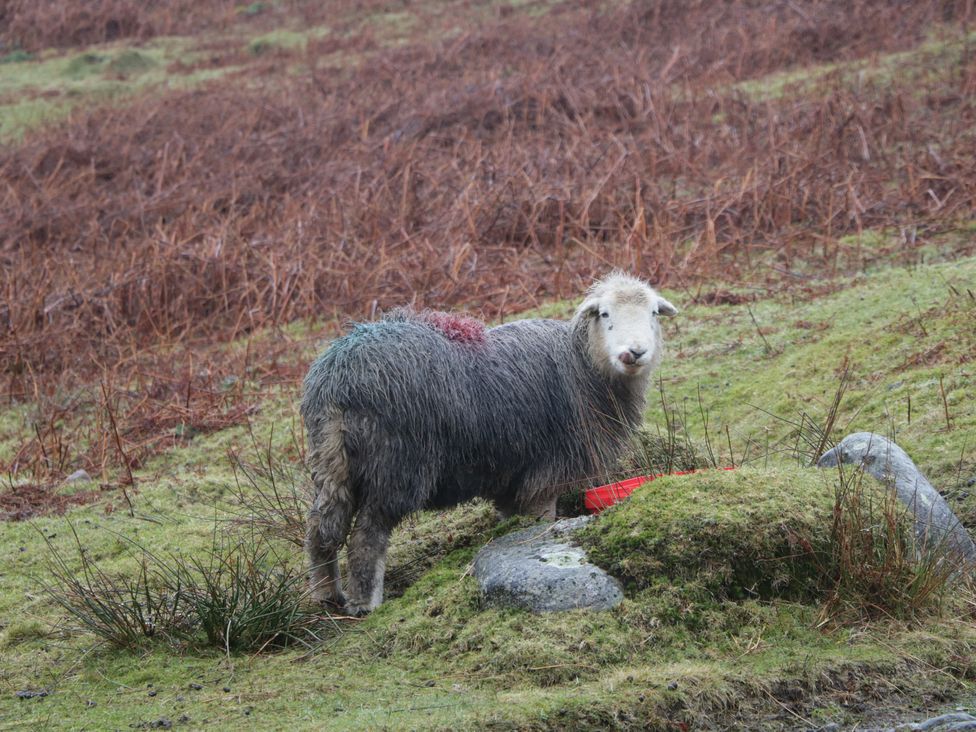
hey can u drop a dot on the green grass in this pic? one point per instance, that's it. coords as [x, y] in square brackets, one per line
[288, 40]
[35, 91]
[933, 59]
[715, 620]
[901, 330]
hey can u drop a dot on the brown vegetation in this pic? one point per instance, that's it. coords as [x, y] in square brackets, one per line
[34, 25]
[488, 170]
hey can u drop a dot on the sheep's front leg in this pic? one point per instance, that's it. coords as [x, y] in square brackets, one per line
[535, 499]
[367, 562]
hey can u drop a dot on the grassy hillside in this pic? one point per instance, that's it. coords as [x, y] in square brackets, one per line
[196, 198]
[679, 649]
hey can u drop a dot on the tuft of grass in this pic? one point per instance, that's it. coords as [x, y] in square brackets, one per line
[243, 597]
[273, 493]
[873, 565]
[747, 533]
[684, 543]
[124, 610]
[239, 597]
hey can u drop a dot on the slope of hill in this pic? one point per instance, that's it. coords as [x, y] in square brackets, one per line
[195, 200]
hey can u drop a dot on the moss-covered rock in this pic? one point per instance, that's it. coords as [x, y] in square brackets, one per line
[733, 534]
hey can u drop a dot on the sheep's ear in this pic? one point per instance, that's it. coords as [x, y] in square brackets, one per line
[665, 308]
[588, 308]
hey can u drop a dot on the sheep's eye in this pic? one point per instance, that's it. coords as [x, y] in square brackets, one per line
[604, 315]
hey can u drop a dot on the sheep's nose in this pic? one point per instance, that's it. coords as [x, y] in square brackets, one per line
[631, 356]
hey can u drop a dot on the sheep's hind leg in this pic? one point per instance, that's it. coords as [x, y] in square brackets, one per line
[543, 509]
[367, 562]
[328, 524]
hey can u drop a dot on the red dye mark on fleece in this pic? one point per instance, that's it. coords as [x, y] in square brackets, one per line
[459, 328]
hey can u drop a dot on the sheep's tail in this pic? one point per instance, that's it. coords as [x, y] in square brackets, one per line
[333, 506]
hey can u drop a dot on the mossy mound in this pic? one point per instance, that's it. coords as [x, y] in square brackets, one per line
[747, 533]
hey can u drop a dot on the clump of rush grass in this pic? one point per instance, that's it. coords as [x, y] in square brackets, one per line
[126, 611]
[241, 597]
[872, 565]
[273, 493]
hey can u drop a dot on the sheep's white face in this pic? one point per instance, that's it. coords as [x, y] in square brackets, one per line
[625, 335]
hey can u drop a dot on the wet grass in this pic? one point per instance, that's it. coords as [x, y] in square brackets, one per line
[42, 89]
[724, 622]
[699, 640]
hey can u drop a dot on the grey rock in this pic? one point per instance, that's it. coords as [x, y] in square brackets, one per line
[77, 476]
[32, 693]
[539, 569]
[952, 722]
[935, 523]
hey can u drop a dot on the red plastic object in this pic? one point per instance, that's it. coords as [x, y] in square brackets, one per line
[604, 496]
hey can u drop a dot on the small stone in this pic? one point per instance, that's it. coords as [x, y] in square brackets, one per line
[78, 476]
[179, 697]
[430, 683]
[227, 689]
[247, 711]
[672, 686]
[195, 686]
[32, 693]
[152, 693]
[91, 703]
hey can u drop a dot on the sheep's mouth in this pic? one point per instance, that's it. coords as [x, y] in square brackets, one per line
[630, 369]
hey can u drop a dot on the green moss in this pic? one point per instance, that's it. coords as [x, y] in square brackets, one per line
[728, 534]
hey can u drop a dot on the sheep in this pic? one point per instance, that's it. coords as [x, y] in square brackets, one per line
[427, 410]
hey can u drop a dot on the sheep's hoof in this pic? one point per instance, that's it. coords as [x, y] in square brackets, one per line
[357, 611]
[333, 605]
